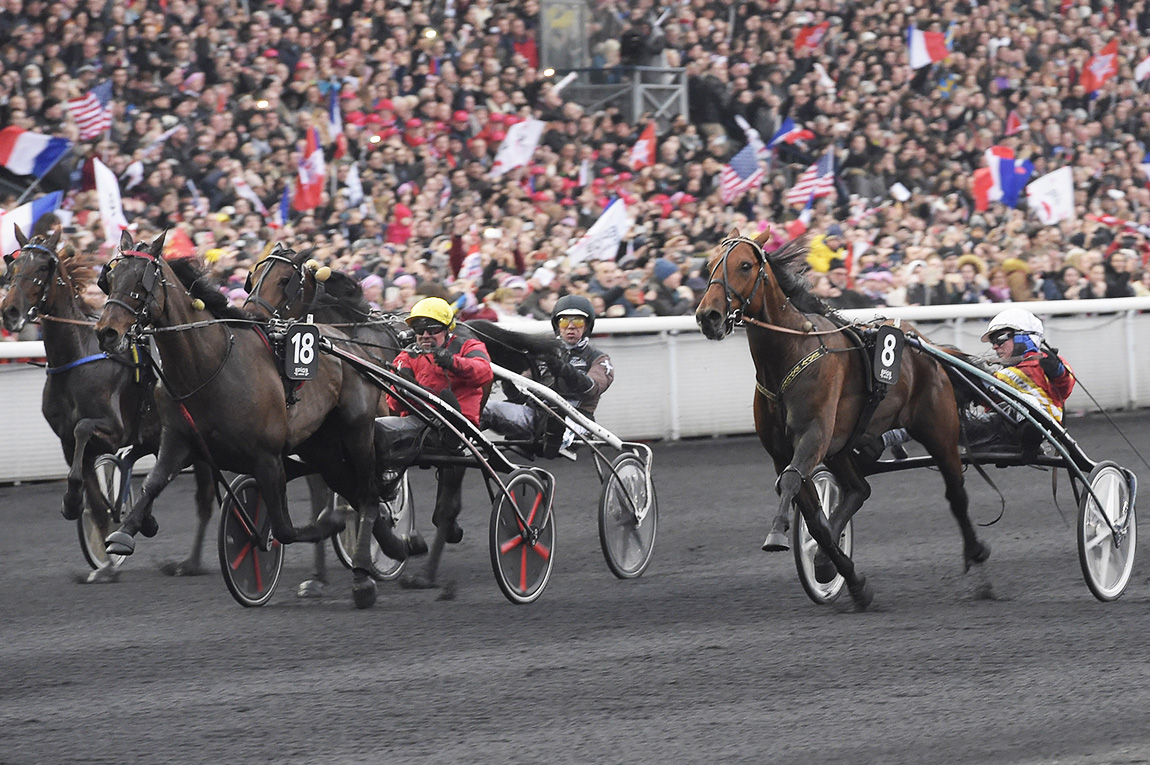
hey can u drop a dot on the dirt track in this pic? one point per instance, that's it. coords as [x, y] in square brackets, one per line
[715, 655]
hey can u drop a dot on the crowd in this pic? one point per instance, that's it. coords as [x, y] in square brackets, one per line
[215, 97]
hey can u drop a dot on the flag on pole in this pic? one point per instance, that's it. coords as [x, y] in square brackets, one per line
[354, 185]
[244, 191]
[92, 112]
[335, 123]
[818, 180]
[25, 216]
[1101, 67]
[518, 146]
[312, 174]
[1001, 180]
[643, 152]
[1051, 197]
[601, 242]
[742, 173]
[926, 48]
[111, 208]
[26, 153]
[586, 175]
[284, 211]
[1142, 71]
[789, 132]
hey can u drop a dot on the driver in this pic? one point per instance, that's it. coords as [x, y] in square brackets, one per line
[580, 373]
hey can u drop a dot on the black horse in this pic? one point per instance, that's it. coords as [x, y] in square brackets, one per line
[95, 402]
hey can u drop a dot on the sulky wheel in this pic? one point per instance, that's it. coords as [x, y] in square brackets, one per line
[401, 513]
[522, 536]
[628, 517]
[93, 530]
[249, 557]
[806, 548]
[1107, 557]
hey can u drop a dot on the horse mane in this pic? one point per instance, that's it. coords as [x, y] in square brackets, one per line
[510, 349]
[342, 292]
[200, 285]
[789, 266]
[81, 268]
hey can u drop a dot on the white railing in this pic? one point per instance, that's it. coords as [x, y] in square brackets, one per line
[673, 383]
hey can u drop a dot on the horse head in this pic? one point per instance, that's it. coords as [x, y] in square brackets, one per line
[283, 283]
[30, 275]
[137, 289]
[738, 284]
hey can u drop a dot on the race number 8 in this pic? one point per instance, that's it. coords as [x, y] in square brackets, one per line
[888, 354]
[888, 346]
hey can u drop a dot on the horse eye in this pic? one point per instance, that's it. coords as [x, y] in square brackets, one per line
[744, 266]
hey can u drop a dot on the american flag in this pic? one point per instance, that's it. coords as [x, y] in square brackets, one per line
[92, 112]
[818, 180]
[744, 172]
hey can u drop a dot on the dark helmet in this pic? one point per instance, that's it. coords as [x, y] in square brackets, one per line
[573, 305]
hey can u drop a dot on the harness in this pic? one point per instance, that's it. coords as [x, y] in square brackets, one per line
[292, 289]
[275, 345]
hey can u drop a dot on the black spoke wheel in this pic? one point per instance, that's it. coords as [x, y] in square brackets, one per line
[250, 558]
[628, 517]
[1105, 554]
[400, 512]
[93, 529]
[522, 551]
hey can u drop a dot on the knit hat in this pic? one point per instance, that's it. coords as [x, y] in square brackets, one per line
[664, 268]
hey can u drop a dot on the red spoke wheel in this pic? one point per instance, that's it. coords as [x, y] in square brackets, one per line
[93, 529]
[250, 571]
[522, 551]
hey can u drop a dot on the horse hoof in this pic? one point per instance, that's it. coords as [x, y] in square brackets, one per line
[417, 545]
[363, 593]
[103, 575]
[776, 542]
[825, 571]
[861, 594]
[453, 535]
[181, 568]
[119, 543]
[310, 588]
[416, 582]
[71, 512]
[149, 527]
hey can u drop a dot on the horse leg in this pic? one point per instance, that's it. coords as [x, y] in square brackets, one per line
[777, 539]
[205, 500]
[101, 515]
[855, 491]
[448, 505]
[794, 482]
[772, 435]
[174, 455]
[323, 500]
[942, 444]
[81, 463]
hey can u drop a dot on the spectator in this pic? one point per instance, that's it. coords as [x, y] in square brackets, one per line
[664, 297]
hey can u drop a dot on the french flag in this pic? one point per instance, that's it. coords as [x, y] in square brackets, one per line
[312, 174]
[23, 152]
[335, 122]
[926, 48]
[25, 216]
[789, 132]
[1002, 179]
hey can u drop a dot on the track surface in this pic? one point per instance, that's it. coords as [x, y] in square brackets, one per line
[715, 655]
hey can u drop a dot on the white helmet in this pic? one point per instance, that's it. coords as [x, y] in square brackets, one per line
[1018, 319]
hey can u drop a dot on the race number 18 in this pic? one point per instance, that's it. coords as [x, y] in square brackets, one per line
[887, 354]
[301, 352]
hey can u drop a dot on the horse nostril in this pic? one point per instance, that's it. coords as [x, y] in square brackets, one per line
[107, 338]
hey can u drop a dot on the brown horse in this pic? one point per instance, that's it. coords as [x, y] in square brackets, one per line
[222, 394]
[95, 403]
[811, 390]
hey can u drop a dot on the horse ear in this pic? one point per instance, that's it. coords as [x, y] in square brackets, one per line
[764, 236]
[20, 238]
[734, 234]
[126, 242]
[158, 245]
[54, 239]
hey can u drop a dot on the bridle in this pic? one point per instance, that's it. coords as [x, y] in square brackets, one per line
[40, 282]
[292, 290]
[145, 299]
[734, 316]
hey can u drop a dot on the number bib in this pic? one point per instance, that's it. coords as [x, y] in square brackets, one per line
[888, 354]
[301, 352]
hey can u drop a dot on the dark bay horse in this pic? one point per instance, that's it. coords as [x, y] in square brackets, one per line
[286, 284]
[222, 394]
[810, 391]
[95, 403]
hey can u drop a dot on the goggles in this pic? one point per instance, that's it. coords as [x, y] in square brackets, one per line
[572, 321]
[427, 326]
[998, 338]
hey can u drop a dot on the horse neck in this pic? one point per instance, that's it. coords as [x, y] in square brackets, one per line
[774, 307]
[65, 341]
[190, 353]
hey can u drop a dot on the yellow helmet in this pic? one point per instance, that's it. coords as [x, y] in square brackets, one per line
[433, 308]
